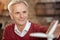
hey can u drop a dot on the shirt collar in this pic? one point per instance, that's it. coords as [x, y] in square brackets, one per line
[25, 30]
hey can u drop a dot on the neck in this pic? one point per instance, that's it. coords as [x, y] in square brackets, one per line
[21, 27]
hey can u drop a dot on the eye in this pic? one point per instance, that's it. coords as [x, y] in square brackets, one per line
[24, 11]
[17, 12]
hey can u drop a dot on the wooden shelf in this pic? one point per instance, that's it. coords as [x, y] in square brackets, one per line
[51, 9]
[49, 15]
[4, 16]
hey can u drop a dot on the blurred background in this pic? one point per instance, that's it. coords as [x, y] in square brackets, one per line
[41, 12]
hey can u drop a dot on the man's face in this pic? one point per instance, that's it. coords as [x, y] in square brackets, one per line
[19, 13]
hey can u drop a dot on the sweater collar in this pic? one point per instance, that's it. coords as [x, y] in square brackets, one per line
[25, 30]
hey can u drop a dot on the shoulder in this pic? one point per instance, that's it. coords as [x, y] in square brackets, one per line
[8, 27]
[39, 28]
[34, 25]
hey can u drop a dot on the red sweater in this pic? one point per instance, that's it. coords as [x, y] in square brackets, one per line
[9, 33]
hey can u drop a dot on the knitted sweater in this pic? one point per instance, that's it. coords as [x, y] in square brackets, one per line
[9, 33]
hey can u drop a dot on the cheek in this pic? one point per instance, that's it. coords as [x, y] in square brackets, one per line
[16, 16]
[26, 16]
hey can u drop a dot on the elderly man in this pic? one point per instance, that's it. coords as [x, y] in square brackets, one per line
[21, 28]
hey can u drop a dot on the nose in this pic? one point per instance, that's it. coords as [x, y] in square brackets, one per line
[21, 15]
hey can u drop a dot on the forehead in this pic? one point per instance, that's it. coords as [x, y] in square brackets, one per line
[19, 7]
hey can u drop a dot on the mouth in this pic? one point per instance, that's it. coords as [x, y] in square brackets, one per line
[21, 20]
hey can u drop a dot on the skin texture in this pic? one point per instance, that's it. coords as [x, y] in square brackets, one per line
[19, 14]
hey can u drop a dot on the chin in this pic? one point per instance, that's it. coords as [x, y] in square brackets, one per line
[22, 23]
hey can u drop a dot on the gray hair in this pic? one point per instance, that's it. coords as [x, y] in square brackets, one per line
[14, 2]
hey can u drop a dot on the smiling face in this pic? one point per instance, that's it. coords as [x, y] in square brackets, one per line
[19, 13]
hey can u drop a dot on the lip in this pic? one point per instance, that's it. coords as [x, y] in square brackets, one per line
[21, 20]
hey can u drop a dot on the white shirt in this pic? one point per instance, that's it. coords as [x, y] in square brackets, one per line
[25, 30]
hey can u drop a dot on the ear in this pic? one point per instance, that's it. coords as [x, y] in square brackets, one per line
[11, 15]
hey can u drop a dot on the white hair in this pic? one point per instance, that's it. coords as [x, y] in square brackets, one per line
[14, 2]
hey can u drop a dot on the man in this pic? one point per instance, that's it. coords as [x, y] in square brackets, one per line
[21, 28]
